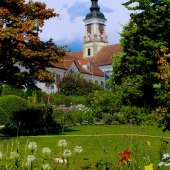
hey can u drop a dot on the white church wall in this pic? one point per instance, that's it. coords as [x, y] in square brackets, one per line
[93, 78]
[52, 88]
[73, 69]
[105, 67]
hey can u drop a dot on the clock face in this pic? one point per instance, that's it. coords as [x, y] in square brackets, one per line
[101, 27]
[88, 27]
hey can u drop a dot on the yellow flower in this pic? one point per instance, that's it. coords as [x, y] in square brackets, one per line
[149, 143]
[149, 167]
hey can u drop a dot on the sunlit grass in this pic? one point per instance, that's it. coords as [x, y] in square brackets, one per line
[102, 143]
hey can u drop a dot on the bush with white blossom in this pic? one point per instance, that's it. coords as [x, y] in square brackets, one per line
[84, 115]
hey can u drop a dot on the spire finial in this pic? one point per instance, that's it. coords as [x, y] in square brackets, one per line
[95, 6]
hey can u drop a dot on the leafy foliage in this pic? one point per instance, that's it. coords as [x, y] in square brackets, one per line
[39, 93]
[75, 115]
[134, 115]
[104, 101]
[61, 99]
[146, 32]
[162, 88]
[24, 57]
[34, 120]
[76, 85]
[47, 99]
[3, 117]
[10, 90]
[11, 103]
[1, 88]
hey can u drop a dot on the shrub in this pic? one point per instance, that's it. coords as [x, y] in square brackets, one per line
[11, 103]
[34, 120]
[79, 114]
[47, 99]
[60, 99]
[83, 114]
[75, 100]
[64, 117]
[107, 118]
[76, 85]
[104, 102]
[10, 90]
[3, 117]
[132, 114]
[1, 87]
[153, 118]
[30, 92]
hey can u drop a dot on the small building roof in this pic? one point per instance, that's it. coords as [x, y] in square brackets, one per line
[83, 61]
[104, 56]
[64, 64]
[78, 55]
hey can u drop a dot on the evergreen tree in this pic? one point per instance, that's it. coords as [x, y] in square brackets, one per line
[20, 45]
[146, 32]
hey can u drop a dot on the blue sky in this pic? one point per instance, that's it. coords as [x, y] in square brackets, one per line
[68, 28]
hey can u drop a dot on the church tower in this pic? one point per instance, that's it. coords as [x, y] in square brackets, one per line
[95, 31]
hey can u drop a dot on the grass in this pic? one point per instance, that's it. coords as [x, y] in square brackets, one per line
[102, 143]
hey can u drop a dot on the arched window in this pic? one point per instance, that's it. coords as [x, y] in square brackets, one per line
[89, 52]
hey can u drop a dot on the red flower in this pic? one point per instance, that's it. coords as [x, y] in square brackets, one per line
[125, 156]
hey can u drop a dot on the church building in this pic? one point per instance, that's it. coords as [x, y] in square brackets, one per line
[94, 59]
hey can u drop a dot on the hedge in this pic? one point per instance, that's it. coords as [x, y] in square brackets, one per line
[3, 117]
[10, 90]
[11, 103]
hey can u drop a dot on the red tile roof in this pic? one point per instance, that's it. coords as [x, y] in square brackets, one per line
[83, 61]
[64, 64]
[104, 56]
[78, 54]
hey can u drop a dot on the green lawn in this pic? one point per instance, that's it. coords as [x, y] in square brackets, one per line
[101, 143]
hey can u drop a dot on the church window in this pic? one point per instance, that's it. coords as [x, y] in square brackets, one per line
[57, 77]
[101, 27]
[89, 51]
[72, 71]
[88, 27]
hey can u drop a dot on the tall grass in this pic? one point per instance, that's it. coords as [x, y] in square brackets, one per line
[101, 146]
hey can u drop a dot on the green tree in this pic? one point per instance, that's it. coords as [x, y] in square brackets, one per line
[147, 30]
[20, 45]
[163, 89]
[74, 84]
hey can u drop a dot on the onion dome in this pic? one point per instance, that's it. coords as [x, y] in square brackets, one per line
[95, 11]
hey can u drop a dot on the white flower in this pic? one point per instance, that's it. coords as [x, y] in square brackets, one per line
[165, 156]
[78, 149]
[62, 143]
[167, 164]
[32, 145]
[13, 155]
[30, 158]
[161, 164]
[67, 153]
[46, 150]
[60, 160]
[0, 155]
[46, 166]
[28, 164]
[165, 160]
